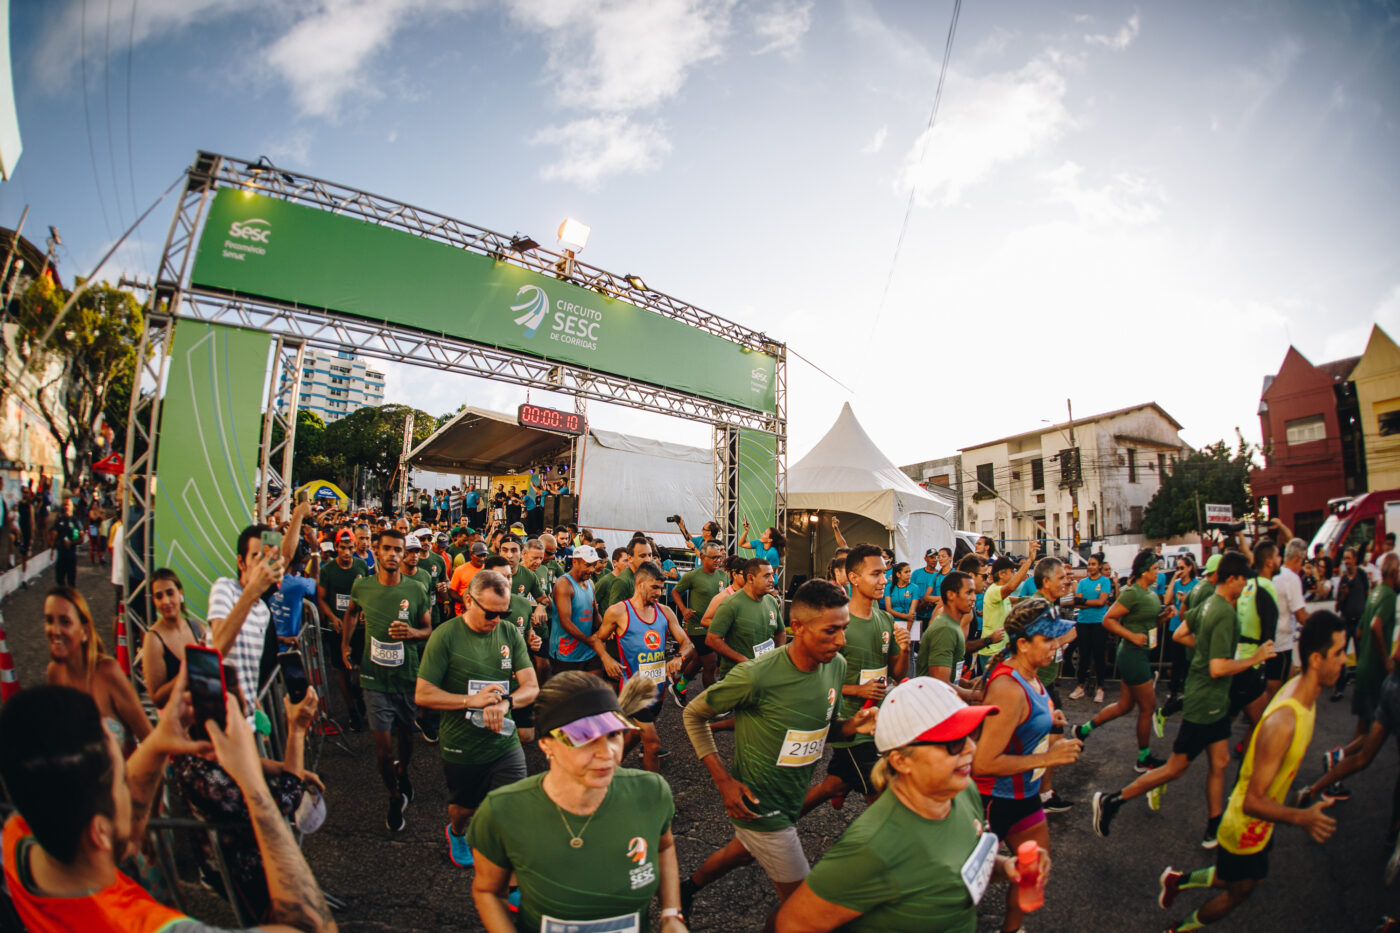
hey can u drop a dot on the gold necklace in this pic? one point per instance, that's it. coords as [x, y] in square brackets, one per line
[575, 841]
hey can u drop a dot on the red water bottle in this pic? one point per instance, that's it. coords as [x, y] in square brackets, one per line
[1030, 896]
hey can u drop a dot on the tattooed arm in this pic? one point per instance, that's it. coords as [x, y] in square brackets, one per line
[297, 902]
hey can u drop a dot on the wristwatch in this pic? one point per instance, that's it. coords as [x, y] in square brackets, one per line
[509, 701]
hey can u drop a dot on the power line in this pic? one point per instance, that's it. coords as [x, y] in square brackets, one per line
[913, 183]
[87, 120]
[130, 159]
[107, 107]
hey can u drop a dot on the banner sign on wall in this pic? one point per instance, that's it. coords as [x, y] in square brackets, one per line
[269, 248]
[758, 480]
[207, 452]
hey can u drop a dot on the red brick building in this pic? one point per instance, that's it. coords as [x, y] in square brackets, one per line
[1309, 420]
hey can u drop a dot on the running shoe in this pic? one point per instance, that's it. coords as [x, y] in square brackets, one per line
[1388, 925]
[1105, 807]
[1170, 882]
[1055, 803]
[1154, 799]
[406, 788]
[1336, 791]
[1078, 693]
[1080, 732]
[677, 696]
[1392, 866]
[395, 821]
[1159, 723]
[688, 892]
[838, 801]
[1172, 706]
[1303, 798]
[430, 731]
[1098, 695]
[1208, 841]
[1144, 765]
[663, 753]
[457, 849]
[1238, 749]
[1332, 757]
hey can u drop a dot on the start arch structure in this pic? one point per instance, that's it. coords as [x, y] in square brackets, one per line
[261, 264]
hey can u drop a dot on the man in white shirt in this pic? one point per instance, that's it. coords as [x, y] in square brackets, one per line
[238, 617]
[1292, 613]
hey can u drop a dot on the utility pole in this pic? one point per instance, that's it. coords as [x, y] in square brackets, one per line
[1075, 478]
[11, 257]
[53, 243]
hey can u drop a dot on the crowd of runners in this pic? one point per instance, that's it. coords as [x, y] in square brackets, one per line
[934, 688]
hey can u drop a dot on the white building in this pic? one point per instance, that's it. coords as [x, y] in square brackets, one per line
[333, 384]
[1014, 482]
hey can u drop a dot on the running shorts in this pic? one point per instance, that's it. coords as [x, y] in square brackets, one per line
[1134, 664]
[1278, 667]
[468, 784]
[1192, 738]
[779, 853]
[1364, 703]
[1231, 867]
[653, 712]
[1245, 688]
[387, 711]
[592, 665]
[1009, 815]
[852, 764]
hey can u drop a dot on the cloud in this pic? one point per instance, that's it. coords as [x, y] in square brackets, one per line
[1127, 200]
[325, 56]
[1351, 341]
[596, 147]
[291, 150]
[1121, 39]
[877, 142]
[782, 26]
[616, 56]
[985, 122]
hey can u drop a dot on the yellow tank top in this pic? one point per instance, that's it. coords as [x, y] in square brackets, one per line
[1240, 833]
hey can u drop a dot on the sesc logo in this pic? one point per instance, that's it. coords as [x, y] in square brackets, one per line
[759, 374]
[535, 304]
[256, 230]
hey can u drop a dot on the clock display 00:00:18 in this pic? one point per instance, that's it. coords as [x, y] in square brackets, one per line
[550, 419]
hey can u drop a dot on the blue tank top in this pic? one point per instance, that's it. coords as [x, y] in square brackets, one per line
[562, 645]
[1030, 738]
[642, 647]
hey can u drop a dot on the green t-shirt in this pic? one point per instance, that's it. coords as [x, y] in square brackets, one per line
[454, 553]
[600, 589]
[747, 625]
[460, 660]
[1143, 609]
[695, 590]
[432, 562]
[388, 666]
[902, 871]
[519, 615]
[1370, 663]
[338, 580]
[995, 609]
[524, 582]
[1207, 698]
[943, 645]
[621, 586]
[424, 578]
[869, 649]
[781, 717]
[613, 875]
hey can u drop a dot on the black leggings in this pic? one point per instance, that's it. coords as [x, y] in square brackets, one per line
[1093, 648]
[1176, 654]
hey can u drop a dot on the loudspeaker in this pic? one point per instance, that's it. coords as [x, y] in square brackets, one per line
[565, 510]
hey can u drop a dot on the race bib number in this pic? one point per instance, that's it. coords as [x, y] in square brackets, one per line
[873, 673]
[1040, 749]
[977, 870]
[629, 923]
[385, 653]
[762, 648]
[476, 686]
[801, 748]
[1152, 640]
[957, 673]
[342, 602]
[653, 670]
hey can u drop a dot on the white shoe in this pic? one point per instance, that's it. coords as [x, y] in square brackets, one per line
[1078, 693]
[1098, 695]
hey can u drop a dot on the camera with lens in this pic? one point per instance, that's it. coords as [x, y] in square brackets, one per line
[673, 519]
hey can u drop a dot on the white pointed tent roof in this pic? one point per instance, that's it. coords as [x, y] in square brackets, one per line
[846, 472]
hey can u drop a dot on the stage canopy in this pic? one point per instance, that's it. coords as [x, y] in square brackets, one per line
[485, 443]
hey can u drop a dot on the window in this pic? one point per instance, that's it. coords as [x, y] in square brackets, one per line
[986, 483]
[937, 481]
[1389, 421]
[1038, 473]
[1132, 466]
[1306, 430]
[1135, 520]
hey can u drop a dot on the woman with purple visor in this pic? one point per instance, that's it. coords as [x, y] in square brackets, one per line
[587, 840]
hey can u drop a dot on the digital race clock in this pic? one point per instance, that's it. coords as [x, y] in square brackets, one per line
[550, 419]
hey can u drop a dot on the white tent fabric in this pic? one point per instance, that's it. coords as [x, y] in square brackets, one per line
[846, 472]
[631, 484]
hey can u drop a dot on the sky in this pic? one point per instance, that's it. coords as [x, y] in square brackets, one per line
[1115, 203]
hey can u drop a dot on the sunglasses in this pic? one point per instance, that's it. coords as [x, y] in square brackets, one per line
[492, 614]
[956, 746]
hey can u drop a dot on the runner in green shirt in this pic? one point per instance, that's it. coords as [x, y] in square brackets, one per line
[748, 624]
[942, 648]
[1205, 722]
[396, 611]
[528, 620]
[413, 569]
[588, 842]
[692, 597]
[785, 705]
[523, 582]
[919, 857]
[337, 577]
[477, 665]
[877, 656]
[624, 583]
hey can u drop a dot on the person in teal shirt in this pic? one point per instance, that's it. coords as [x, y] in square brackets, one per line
[900, 598]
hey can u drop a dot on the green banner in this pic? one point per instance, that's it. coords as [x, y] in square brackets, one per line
[758, 480]
[269, 248]
[207, 453]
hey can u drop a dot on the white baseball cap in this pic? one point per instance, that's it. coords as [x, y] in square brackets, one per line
[928, 710]
[424, 533]
[586, 554]
[411, 543]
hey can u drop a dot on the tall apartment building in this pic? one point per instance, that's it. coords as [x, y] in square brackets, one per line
[333, 384]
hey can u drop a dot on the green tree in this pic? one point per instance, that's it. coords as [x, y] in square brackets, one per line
[94, 346]
[1213, 474]
[372, 439]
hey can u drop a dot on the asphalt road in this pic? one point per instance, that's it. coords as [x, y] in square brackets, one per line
[404, 881]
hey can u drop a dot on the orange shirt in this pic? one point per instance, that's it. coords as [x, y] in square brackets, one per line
[462, 577]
